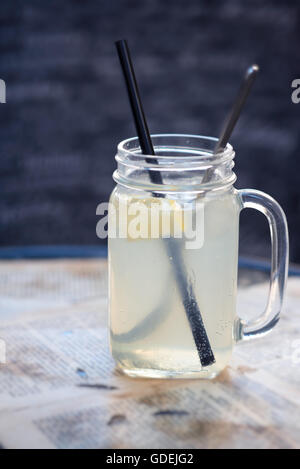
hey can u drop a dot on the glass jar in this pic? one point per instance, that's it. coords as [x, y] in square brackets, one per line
[173, 258]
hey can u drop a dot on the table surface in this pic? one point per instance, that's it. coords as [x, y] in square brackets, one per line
[59, 382]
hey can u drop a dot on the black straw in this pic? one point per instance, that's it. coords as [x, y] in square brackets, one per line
[137, 108]
[185, 288]
[237, 108]
[233, 116]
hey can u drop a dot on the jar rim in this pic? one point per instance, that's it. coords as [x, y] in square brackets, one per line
[128, 150]
[186, 163]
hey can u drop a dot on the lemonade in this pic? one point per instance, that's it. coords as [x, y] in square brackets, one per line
[150, 332]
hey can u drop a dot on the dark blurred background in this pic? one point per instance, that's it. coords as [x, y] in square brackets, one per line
[67, 107]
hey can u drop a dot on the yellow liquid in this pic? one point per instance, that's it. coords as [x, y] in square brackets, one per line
[150, 332]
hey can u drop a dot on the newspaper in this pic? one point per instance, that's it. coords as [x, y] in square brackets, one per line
[60, 389]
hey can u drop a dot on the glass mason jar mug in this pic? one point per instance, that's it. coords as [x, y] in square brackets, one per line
[173, 257]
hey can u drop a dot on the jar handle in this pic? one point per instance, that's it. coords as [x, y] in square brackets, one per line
[279, 264]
